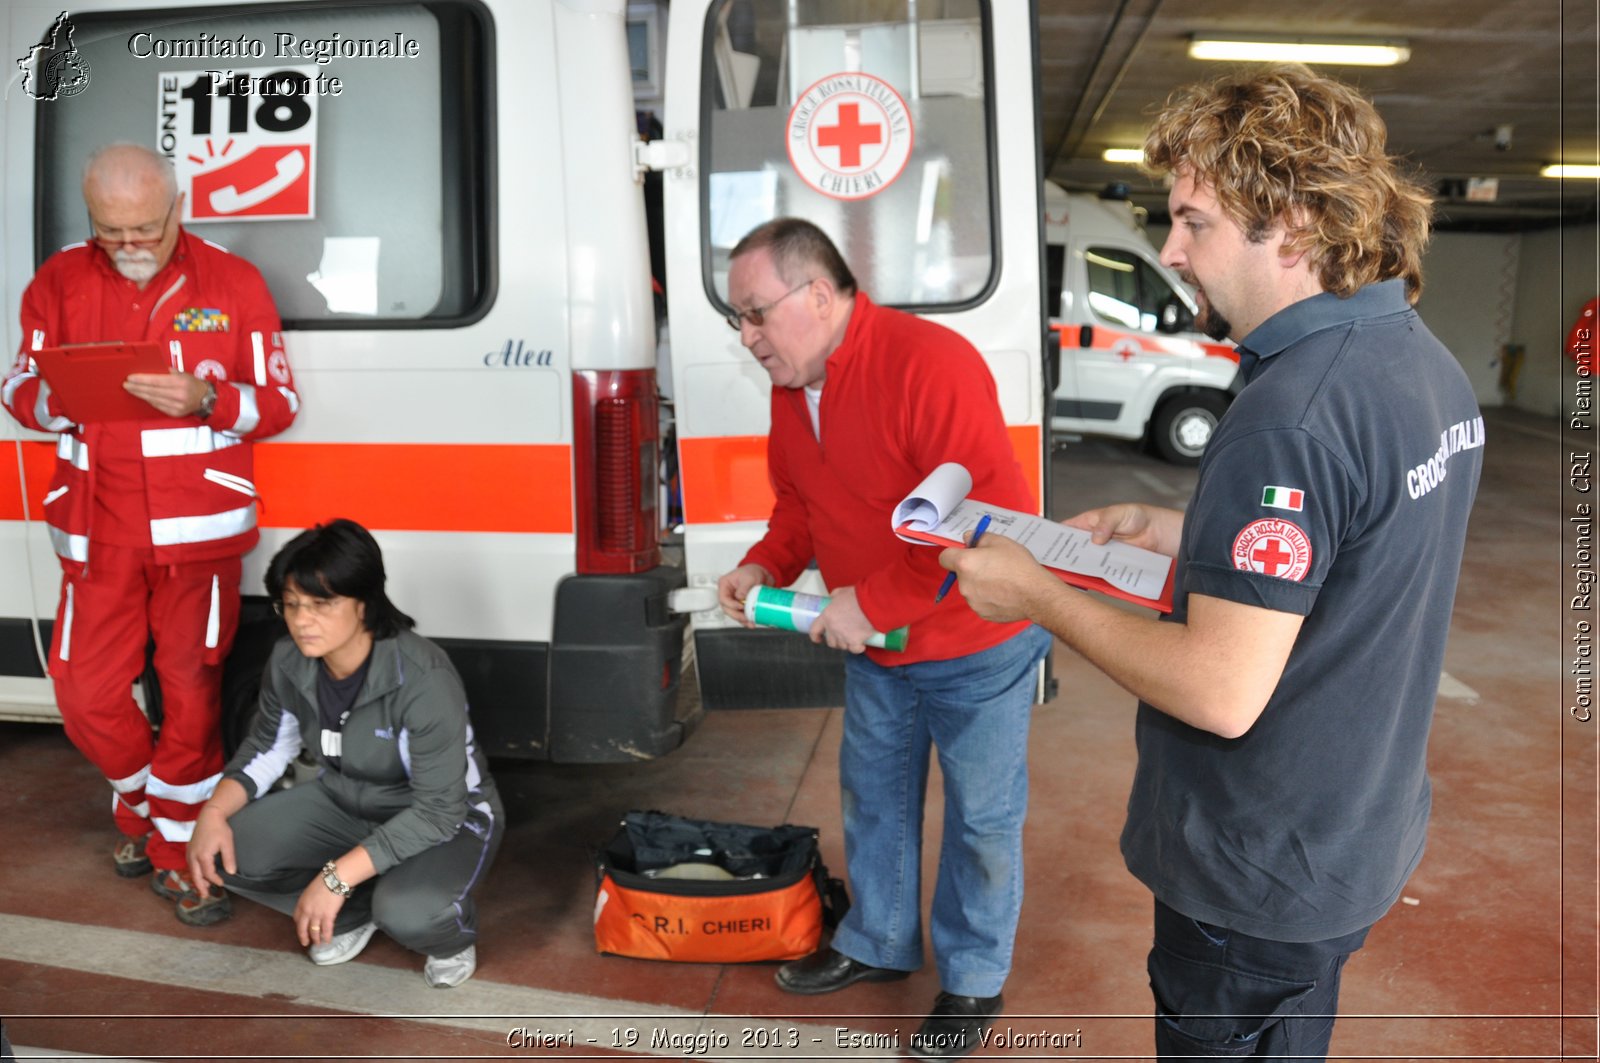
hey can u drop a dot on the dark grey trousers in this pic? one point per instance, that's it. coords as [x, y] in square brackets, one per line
[1222, 993]
[425, 903]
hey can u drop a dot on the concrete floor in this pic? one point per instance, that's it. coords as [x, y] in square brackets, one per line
[1491, 954]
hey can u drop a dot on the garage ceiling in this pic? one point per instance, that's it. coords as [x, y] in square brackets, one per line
[1475, 65]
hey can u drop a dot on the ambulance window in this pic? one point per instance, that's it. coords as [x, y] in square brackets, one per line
[362, 208]
[1124, 289]
[868, 117]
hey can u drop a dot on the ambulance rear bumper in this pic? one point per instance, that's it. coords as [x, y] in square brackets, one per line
[616, 664]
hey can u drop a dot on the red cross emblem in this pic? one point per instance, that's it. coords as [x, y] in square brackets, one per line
[1270, 556]
[1273, 547]
[210, 369]
[849, 135]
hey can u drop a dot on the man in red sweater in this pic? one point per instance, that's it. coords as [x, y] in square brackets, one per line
[866, 402]
[150, 517]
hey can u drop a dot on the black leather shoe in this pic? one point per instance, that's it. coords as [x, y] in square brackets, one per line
[954, 1027]
[826, 970]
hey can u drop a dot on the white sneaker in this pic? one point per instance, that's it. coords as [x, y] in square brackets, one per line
[343, 947]
[445, 972]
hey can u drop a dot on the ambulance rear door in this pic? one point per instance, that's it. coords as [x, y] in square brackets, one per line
[907, 130]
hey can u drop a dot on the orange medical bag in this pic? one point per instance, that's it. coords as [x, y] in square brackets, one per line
[694, 891]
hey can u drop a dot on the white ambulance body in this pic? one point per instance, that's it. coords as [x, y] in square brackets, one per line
[1131, 365]
[464, 281]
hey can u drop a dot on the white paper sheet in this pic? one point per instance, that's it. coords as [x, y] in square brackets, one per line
[939, 507]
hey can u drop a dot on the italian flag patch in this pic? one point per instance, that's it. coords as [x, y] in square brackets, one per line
[1283, 498]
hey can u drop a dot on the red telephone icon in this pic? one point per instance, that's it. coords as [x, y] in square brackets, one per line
[269, 181]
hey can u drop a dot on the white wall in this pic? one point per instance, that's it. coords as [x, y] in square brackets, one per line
[1469, 289]
[1560, 272]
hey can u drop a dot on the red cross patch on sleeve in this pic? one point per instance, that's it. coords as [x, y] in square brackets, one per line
[1273, 547]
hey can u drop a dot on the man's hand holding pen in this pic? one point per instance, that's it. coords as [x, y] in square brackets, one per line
[1000, 579]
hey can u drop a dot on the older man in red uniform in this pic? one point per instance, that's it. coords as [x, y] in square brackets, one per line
[866, 401]
[150, 517]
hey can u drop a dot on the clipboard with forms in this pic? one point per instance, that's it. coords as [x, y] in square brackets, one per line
[939, 512]
[87, 378]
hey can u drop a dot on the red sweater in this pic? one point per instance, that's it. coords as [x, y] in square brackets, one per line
[902, 396]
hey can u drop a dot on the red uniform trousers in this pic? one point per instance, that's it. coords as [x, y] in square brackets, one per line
[108, 614]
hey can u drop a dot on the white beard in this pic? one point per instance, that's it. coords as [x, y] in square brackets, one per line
[138, 266]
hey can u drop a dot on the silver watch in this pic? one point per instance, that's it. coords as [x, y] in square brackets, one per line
[209, 402]
[330, 879]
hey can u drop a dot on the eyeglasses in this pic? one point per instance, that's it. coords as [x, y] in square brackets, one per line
[140, 236]
[756, 315]
[317, 607]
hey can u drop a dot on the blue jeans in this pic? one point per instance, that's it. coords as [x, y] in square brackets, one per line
[975, 710]
[1222, 993]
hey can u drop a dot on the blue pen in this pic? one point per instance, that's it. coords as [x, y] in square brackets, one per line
[950, 580]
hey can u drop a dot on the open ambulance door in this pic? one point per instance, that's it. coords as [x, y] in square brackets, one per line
[906, 129]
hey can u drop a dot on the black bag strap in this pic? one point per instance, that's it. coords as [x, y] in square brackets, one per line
[835, 898]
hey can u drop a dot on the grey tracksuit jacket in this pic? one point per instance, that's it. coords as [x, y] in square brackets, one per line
[408, 763]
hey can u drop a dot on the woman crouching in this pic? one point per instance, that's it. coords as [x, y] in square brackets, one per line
[403, 820]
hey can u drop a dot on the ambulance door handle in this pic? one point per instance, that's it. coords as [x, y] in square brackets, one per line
[692, 599]
[660, 156]
[1086, 336]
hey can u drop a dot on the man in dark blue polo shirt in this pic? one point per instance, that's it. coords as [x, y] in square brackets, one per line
[1281, 797]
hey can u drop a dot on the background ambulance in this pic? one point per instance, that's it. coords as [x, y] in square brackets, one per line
[445, 199]
[1128, 362]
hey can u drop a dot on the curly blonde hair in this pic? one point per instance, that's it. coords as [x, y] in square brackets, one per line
[1282, 145]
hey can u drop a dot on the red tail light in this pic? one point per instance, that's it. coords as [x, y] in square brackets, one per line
[616, 433]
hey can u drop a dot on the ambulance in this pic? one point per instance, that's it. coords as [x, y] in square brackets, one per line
[446, 199]
[1126, 361]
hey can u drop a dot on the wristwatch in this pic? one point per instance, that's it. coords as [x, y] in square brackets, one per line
[330, 879]
[208, 403]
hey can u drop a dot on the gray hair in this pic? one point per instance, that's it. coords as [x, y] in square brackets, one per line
[154, 161]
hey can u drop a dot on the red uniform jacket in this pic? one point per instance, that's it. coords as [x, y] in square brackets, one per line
[902, 396]
[213, 313]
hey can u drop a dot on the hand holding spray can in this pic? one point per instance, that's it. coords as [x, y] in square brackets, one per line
[793, 611]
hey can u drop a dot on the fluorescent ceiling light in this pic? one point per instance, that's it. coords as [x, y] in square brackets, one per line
[1135, 155]
[1570, 170]
[1299, 50]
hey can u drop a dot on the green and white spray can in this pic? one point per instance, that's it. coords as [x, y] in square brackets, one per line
[793, 611]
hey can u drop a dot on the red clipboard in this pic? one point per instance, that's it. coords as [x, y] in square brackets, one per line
[87, 378]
